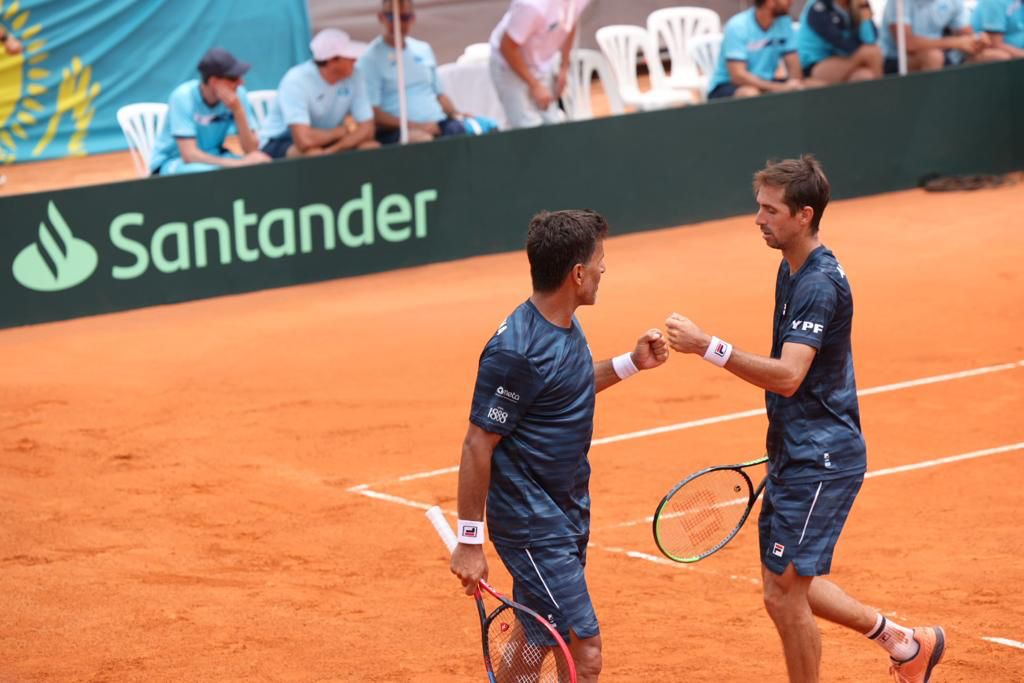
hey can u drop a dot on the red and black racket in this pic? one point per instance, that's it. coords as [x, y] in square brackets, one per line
[519, 645]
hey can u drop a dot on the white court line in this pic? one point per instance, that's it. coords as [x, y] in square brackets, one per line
[875, 473]
[935, 379]
[1004, 641]
[731, 416]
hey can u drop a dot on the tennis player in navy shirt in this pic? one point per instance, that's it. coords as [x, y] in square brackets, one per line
[530, 425]
[816, 452]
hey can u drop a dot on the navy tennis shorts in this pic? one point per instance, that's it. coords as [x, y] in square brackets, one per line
[800, 523]
[549, 580]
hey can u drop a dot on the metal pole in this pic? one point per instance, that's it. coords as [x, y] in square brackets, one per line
[403, 109]
[901, 37]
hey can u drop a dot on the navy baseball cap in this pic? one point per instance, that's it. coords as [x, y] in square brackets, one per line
[219, 62]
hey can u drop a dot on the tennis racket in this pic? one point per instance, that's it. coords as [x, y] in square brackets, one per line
[705, 511]
[520, 646]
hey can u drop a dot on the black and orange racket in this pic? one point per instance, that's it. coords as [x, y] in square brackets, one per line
[519, 644]
[705, 511]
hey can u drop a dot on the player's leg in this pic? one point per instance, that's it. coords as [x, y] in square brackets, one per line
[586, 655]
[785, 599]
[550, 580]
[783, 509]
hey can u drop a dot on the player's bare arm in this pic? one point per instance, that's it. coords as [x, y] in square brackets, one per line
[651, 351]
[779, 375]
[468, 561]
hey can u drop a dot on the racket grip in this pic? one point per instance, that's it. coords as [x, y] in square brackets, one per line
[441, 526]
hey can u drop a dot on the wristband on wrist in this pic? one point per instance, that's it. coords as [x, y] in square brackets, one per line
[718, 352]
[470, 532]
[624, 366]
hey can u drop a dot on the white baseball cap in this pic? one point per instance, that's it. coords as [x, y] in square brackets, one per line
[333, 42]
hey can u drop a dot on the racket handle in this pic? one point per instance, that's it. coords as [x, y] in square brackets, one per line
[443, 529]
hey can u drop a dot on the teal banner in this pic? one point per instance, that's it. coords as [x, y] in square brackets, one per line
[84, 59]
[162, 240]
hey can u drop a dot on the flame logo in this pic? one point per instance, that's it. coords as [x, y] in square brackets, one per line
[59, 260]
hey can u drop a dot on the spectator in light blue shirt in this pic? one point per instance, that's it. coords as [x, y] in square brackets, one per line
[938, 34]
[315, 100]
[837, 41]
[200, 116]
[431, 113]
[756, 41]
[1002, 22]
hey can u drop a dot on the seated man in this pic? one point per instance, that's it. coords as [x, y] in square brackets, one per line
[1002, 22]
[937, 33]
[431, 114]
[754, 43]
[314, 101]
[200, 116]
[837, 41]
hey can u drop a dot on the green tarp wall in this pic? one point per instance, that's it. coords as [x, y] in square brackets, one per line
[126, 245]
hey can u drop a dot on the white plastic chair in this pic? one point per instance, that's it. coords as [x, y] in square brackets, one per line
[262, 101]
[475, 53]
[576, 99]
[675, 27]
[471, 89]
[621, 43]
[704, 51]
[140, 123]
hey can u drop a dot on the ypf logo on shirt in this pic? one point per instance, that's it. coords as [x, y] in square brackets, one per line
[807, 326]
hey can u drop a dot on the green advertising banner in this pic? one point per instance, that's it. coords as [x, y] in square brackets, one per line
[114, 247]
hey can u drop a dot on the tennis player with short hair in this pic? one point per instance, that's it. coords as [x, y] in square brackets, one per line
[531, 422]
[816, 452]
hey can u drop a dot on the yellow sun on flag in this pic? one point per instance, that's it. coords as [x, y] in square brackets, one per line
[21, 79]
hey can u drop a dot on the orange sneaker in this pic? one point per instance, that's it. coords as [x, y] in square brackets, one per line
[931, 641]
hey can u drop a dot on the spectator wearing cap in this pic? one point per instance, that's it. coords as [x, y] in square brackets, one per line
[526, 45]
[431, 113]
[201, 114]
[321, 104]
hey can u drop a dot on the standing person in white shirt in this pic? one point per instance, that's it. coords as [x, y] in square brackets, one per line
[525, 66]
[315, 99]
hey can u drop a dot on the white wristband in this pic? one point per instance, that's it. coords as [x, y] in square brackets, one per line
[718, 352]
[623, 366]
[471, 532]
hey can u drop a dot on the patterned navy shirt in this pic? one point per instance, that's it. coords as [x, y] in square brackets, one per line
[815, 434]
[535, 387]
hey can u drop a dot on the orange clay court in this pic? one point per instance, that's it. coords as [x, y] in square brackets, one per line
[233, 489]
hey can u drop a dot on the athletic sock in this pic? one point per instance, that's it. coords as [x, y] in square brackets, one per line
[897, 640]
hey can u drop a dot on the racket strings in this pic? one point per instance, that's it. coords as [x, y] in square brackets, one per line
[702, 513]
[523, 651]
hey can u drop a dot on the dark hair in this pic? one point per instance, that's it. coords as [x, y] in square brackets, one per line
[803, 183]
[558, 240]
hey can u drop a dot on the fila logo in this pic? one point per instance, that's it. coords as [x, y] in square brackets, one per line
[804, 326]
[470, 531]
[507, 393]
[497, 415]
[778, 549]
[720, 350]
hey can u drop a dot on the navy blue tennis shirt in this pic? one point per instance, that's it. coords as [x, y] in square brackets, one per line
[815, 434]
[535, 387]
